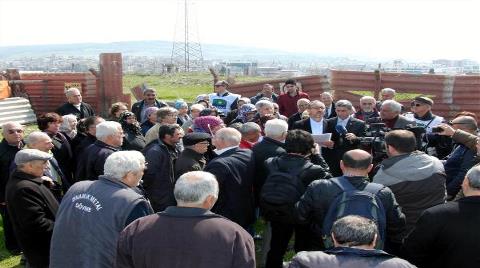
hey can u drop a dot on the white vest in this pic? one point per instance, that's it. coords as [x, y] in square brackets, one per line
[427, 124]
[223, 103]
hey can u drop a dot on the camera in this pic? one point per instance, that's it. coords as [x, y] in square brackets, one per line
[437, 129]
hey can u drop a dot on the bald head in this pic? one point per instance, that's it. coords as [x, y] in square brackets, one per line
[357, 160]
[12, 132]
[466, 123]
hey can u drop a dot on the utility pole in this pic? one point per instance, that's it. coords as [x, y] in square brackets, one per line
[187, 51]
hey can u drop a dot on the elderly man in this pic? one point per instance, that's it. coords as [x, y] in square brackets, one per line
[161, 155]
[288, 100]
[461, 159]
[367, 109]
[354, 239]
[32, 206]
[12, 142]
[302, 105]
[267, 92]
[251, 133]
[95, 212]
[165, 115]
[195, 110]
[74, 105]
[188, 235]
[223, 100]
[447, 235]
[149, 100]
[192, 158]
[390, 115]
[416, 179]
[109, 140]
[345, 133]
[327, 99]
[315, 124]
[234, 169]
[42, 142]
[422, 114]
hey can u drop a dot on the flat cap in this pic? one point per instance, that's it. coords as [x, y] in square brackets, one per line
[27, 155]
[424, 100]
[195, 137]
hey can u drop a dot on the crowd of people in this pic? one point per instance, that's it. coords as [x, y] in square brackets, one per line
[182, 185]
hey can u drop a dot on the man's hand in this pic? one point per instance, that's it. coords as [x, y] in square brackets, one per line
[48, 180]
[478, 146]
[328, 144]
[350, 136]
[447, 130]
[316, 149]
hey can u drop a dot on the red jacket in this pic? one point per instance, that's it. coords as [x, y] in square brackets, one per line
[288, 105]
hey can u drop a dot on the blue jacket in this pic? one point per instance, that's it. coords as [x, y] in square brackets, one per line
[456, 166]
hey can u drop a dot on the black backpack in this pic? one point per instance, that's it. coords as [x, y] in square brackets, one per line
[282, 189]
[352, 201]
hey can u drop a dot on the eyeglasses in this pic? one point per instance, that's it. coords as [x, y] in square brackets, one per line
[416, 104]
[13, 131]
[366, 103]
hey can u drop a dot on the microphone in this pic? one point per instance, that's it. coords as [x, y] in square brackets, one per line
[341, 130]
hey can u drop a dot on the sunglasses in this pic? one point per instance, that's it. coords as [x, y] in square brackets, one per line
[416, 104]
[13, 131]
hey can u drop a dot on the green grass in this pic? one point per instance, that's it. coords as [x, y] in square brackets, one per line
[6, 260]
[185, 86]
[398, 97]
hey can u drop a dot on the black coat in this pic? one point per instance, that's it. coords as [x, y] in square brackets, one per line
[138, 106]
[262, 151]
[314, 205]
[32, 208]
[341, 145]
[7, 154]
[85, 110]
[234, 170]
[189, 160]
[64, 155]
[294, 118]
[84, 143]
[304, 124]
[446, 236]
[92, 160]
[133, 141]
[159, 177]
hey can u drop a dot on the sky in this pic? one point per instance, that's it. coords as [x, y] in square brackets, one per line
[419, 30]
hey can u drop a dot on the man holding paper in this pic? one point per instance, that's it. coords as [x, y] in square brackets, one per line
[345, 132]
[315, 124]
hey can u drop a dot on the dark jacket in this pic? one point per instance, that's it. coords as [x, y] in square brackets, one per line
[32, 209]
[146, 126]
[89, 222]
[257, 97]
[304, 124]
[417, 180]
[92, 160]
[7, 155]
[294, 118]
[138, 106]
[86, 141]
[446, 236]
[341, 145]
[360, 115]
[263, 150]
[347, 258]
[456, 166]
[63, 154]
[234, 170]
[133, 141]
[159, 177]
[85, 110]
[314, 205]
[333, 112]
[189, 160]
[185, 237]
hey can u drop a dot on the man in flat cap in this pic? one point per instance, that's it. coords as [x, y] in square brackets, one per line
[32, 206]
[192, 158]
[422, 113]
[149, 100]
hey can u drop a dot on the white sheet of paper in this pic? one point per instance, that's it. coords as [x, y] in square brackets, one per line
[318, 138]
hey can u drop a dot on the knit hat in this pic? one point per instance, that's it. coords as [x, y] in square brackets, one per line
[150, 110]
[206, 123]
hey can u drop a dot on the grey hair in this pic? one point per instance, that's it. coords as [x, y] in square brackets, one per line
[230, 136]
[194, 187]
[344, 103]
[65, 126]
[367, 98]
[315, 102]
[327, 94]
[245, 99]
[119, 164]
[395, 106]
[249, 127]
[197, 107]
[468, 121]
[388, 90]
[262, 103]
[307, 101]
[473, 177]
[8, 125]
[35, 136]
[163, 112]
[354, 231]
[275, 128]
[107, 128]
[70, 91]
